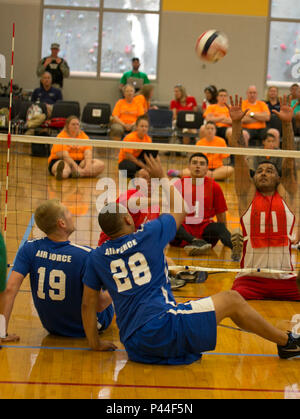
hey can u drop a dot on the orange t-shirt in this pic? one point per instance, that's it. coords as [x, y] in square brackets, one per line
[142, 101]
[128, 112]
[258, 106]
[75, 152]
[214, 160]
[218, 110]
[133, 137]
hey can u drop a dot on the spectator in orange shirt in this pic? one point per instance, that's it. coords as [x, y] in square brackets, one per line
[219, 114]
[125, 114]
[132, 160]
[144, 97]
[73, 160]
[216, 168]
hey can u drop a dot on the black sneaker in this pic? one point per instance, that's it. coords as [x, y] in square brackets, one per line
[59, 170]
[176, 282]
[192, 276]
[197, 247]
[291, 349]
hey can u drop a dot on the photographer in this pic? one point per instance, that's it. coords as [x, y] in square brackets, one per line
[54, 65]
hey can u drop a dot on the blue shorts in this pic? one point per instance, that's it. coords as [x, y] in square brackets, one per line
[104, 318]
[178, 336]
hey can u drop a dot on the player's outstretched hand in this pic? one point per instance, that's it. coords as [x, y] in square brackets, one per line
[235, 108]
[154, 167]
[286, 112]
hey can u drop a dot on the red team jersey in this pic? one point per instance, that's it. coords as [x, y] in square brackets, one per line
[267, 226]
[139, 217]
[205, 199]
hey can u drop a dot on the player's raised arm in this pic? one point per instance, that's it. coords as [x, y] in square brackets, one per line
[243, 183]
[288, 177]
[176, 202]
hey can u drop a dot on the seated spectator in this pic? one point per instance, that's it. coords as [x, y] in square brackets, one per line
[219, 114]
[134, 77]
[272, 99]
[132, 160]
[47, 94]
[72, 160]
[183, 102]
[269, 143]
[125, 114]
[211, 94]
[254, 122]
[216, 168]
[144, 97]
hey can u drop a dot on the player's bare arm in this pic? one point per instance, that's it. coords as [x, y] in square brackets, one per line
[288, 188]
[244, 186]
[90, 301]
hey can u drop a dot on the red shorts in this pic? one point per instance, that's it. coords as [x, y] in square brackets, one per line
[257, 288]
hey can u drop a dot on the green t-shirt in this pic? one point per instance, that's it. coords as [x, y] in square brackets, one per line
[297, 108]
[131, 74]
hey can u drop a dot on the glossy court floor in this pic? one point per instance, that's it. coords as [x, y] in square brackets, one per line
[41, 366]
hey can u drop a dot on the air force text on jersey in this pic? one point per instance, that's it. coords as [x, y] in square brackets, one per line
[122, 249]
[53, 256]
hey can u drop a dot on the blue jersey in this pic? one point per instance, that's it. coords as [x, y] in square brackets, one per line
[56, 271]
[134, 271]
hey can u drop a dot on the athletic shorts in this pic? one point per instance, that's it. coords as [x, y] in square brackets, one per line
[257, 288]
[104, 318]
[196, 230]
[178, 336]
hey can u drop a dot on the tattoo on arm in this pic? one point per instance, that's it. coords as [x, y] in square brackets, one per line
[241, 140]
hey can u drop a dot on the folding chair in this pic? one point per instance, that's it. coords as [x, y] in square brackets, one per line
[187, 120]
[161, 124]
[95, 119]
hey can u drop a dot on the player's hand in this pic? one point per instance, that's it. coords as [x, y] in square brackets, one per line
[154, 167]
[286, 112]
[105, 345]
[235, 108]
[10, 338]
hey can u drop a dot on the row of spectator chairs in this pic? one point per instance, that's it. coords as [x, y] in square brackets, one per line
[95, 119]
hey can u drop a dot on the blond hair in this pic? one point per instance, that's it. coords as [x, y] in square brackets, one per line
[47, 214]
[68, 120]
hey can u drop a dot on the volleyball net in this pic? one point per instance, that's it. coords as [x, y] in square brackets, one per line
[29, 184]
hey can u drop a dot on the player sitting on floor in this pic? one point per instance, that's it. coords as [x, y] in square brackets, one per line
[153, 327]
[138, 203]
[56, 267]
[267, 206]
[199, 233]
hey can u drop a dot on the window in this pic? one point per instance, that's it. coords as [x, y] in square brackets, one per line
[100, 37]
[284, 43]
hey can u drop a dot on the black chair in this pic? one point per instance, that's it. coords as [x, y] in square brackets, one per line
[95, 119]
[4, 104]
[161, 124]
[188, 120]
[275, 122]
[64, 109]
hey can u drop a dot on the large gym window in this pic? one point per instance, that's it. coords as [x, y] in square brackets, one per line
[100, 37]
[284, 43]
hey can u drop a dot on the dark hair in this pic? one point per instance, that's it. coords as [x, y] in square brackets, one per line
[110, 218]
[214, 93]
[268, 134]
[135, 59]
[211, 123]
[269, 162]
[142, 118]
[198, 155]
[222, 90]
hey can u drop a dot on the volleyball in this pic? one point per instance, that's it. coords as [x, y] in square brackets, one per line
[212, 45]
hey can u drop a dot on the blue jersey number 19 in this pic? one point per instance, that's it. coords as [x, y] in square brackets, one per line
[57, 284]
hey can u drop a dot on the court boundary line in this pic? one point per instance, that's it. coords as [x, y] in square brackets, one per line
[114, 385]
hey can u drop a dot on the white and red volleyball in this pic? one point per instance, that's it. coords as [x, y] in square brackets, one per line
[212, 45]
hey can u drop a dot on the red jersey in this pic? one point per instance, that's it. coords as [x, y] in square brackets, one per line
[205, 200]
[139, 217]
[189, 106]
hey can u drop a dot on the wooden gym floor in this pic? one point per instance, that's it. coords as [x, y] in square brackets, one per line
[41, 366]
